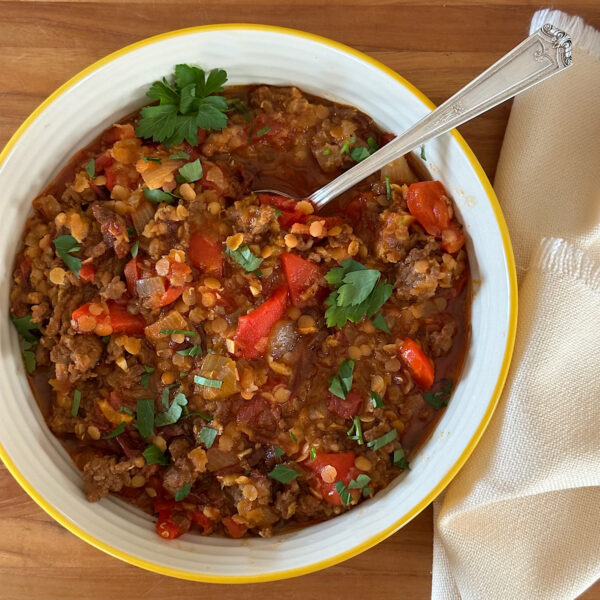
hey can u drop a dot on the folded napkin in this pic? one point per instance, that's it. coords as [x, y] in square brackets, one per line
[521, 521]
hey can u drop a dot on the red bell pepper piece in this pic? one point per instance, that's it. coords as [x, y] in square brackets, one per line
[428, 203]
[111, 178]
[345, 407]
[300, 275]
[87, 272]
[343, 463]
[171, 294]
[206, 254]
[132, 274]
[289, 214]
[116, 316]
[166, 527]
[201, 519]
[103, 161]
[420, 366]
[254, 328]
[235, 530]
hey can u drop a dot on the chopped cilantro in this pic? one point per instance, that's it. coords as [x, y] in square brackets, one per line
[399, 459]
[293, 436]
[326, 152]
[360, 482]
[165, 395]
[24, 327]
[154, 456]
[187, 332]
[135, 248]
[355, 432]
[388, 188]
[90, 168]
[284, 474]
[380, 323]
[359, 154]
[191, 171]
[366, 492]
[195, 350]
[157, 196]
[145, 416]
[118, 430]
[145, 378]
[178, 155]
[182, 492]
[376, 400]
[345, 149]
[183, 374]
[373, 147]
[152, 159]
[76, 402]
[213, 383]
[185, 105]
[440, 398]
[423, 152]
[313, 453]
[278, 452]
[382, 441]
[341, 383]
[245, 257]
[65, 245]
[262, 131]
[207, 435]
[126, 410]
[28, 356]
[343, 492]
[172, 414]
[238, 105]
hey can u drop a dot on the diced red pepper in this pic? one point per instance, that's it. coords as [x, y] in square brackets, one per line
[206, 254]
[132, 274]
[171, 294]
[117, 317]
[345, 407]
[289, 214]
[201, 519]
[235, 530]
[103, 161]
[87, 272]
[254, 328]
[428, 203]
[300, 274]
[343, 463]
[420, 366]
[166, 527]
[111, 178]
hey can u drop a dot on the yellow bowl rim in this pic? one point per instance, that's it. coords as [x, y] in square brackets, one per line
[510, 339]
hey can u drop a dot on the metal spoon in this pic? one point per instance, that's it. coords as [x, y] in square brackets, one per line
[543, 54]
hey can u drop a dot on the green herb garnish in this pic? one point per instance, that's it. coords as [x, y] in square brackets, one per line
[172, 414]
[213, 383]
[366, 492]
[380, 323]
[278, 452]
[126, 410]
[135, 248]
[262, 131]
[313, 453]
[360, 482]
[399, 459]
[24, 327]
[359, 154]
[423, 152]
[165, 395]
[326, 152]
[76, 402]
[192, 171]
[439, 399]
[152, 159]
[187, 332]
[118, 430]
[145, 416]
[145, 378]
[341, 383]
[65, 245]
[284, 474]
[182, 492]
[195, 350]
[355, 432]
[382, 441]
[184, 105]
[343, 492]
[157, 196]
[154, 456]
[293, 437]
[179, 155]
[376, 400]
[388, 188]
[236, 104]
[245, 257]
[90, 168]
[207, 435]
[183, 374]
[358, 293]
[346, 145]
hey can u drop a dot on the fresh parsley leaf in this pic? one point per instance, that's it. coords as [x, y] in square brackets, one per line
[359, 154]
[356, 287]
[118, 430]
[191, 171]
[157, 196]
[284, 474]
[440, 398]
[336, 275]
[343, 492]
[182, 492]
[65, 245]
[366, 492]
[172, 414]
[183, 374]
[388, 188]
[262, 131]
[204, 415]
[238, 105]
[313, 453]
[245, 257]
[326, 152]
[154, 456]
[145, 416]
[76, 402]
[380, 323]
[373, 147]
[24, 327]
[187, 332]
[399, 459]
[278, 452]
[90, 168]
[423, 152]
[152, 159]
[278, 212]
[165, 395]
[195, 350]
[376, 400]
[29, 360]
[126, 410]
[293, 436]
[135, 248]
[382, 441]
[345, 149]
[355, 432]
[341, 383]
[179, 155]
[213, 383]
[360, 482]
[207, 435]
[145, 378]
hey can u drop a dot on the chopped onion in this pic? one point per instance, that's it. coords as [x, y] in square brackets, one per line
[172, 320]
[217, 459]
[143, 214]
[156, 175]
[398, 171]
[220, 368]
[151, 286]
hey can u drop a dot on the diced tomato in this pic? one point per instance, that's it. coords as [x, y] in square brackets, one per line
[289, 214]
[235, 530]
[103, 161]
[111, 178]
[355, 208]
[420, 366]
[253, 329]
[166, 527]
[132, 274]
[201, 519]
[205, 253]
[171, 294]
[428, 202]
[345, 407]
[343, 463]
[300, 274]
[116, 316]
[270, 130]
[87, 272]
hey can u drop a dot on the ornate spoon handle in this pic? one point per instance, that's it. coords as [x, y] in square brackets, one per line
[543, 54]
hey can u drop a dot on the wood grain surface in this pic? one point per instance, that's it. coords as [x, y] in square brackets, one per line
[438, 45]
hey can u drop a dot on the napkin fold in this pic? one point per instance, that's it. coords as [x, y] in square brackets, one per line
[522, 518]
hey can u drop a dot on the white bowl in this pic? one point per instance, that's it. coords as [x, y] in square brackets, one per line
[113, 87]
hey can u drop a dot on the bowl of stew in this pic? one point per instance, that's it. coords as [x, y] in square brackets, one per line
[217, 382]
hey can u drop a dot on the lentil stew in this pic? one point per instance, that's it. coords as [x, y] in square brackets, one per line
[231, 361]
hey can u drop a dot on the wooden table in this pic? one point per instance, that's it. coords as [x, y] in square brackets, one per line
[439, 46]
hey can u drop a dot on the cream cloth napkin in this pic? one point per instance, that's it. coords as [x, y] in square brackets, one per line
[521, 521]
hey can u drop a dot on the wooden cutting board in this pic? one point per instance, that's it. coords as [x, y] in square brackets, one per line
[438, 45]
